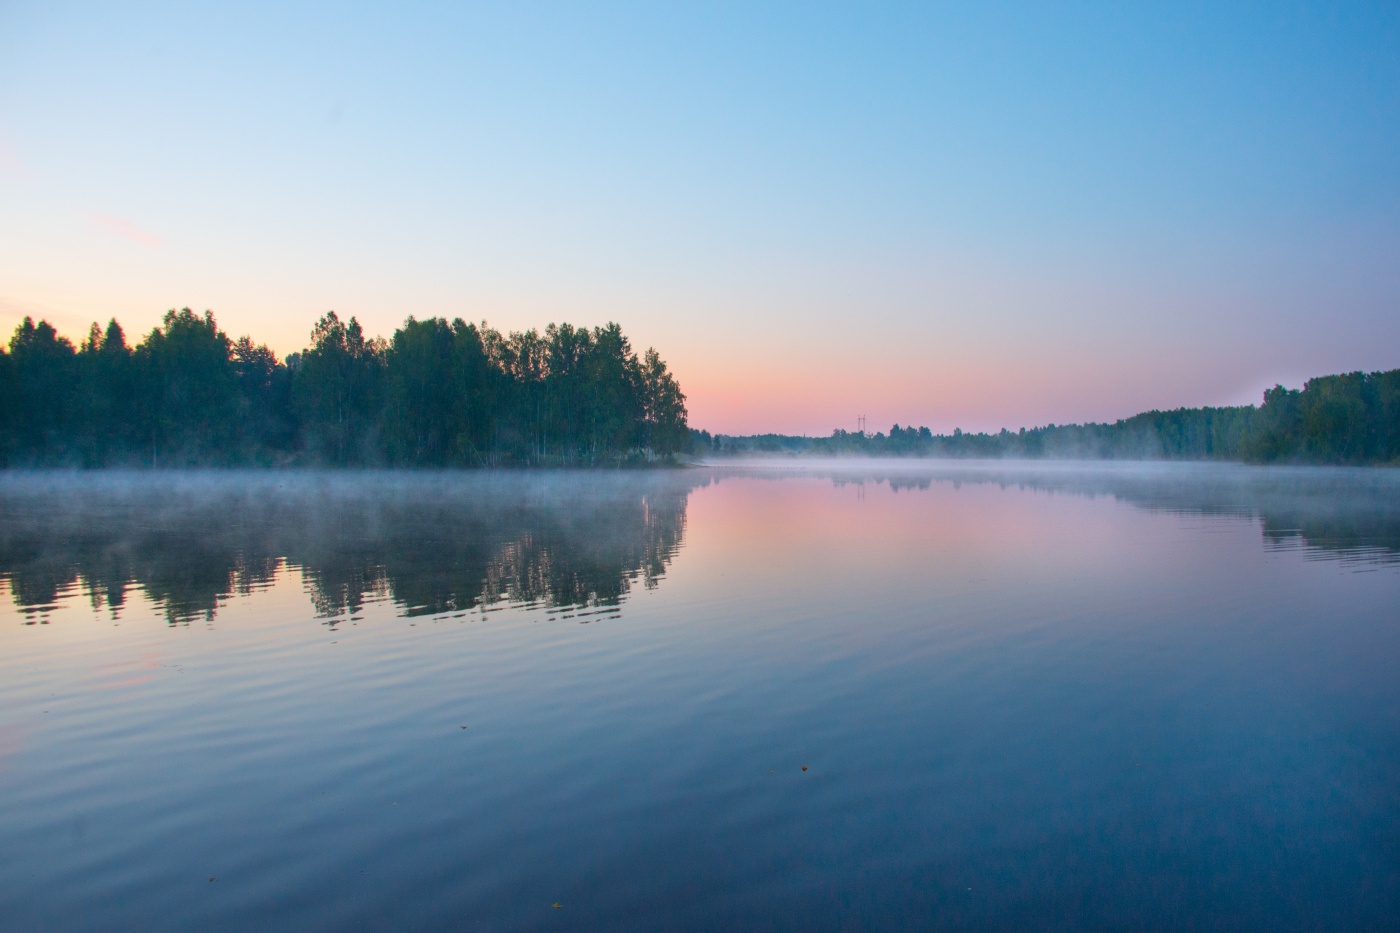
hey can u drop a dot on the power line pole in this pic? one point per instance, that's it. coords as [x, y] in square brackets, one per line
[860, 425]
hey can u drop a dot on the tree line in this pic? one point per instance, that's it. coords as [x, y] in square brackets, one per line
[1352, 418]
[436, 393]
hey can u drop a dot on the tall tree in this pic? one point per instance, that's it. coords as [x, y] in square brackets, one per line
[190, 390]
[664, 420]
[43, 381]
[337, 387]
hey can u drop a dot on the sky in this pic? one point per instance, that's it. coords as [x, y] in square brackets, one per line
[953, 215]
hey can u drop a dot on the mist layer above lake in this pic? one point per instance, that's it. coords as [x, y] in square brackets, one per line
[1024, 696]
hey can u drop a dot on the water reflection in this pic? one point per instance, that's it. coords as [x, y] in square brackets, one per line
[1348, 515]
[436, 543]
[575, 544]
[966, 698]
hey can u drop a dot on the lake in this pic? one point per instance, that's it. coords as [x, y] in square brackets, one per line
[860, 696]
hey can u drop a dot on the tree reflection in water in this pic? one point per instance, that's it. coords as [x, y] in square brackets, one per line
[576, 542]
[431, 543]
[1335, 513]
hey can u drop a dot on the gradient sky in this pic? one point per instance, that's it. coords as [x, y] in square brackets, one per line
[923, 213]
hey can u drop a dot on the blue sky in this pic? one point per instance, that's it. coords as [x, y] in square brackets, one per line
[922, 213]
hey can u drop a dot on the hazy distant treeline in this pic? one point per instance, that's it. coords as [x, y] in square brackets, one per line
[437, 393]
[1352, 418]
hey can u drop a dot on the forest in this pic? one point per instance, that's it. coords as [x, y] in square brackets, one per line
[435, 394]
[1353, 418]
[443, 393]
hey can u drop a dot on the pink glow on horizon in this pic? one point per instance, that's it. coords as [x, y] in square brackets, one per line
[805, 386]
[971, 394]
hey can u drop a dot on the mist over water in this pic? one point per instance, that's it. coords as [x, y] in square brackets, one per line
[429, 543]
[1026, 695]
[1331, 512]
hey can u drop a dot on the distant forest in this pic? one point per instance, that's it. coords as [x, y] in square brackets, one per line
[437, 393]
[1346, 419]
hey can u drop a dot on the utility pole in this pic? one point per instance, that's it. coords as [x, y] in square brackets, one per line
[860, 425]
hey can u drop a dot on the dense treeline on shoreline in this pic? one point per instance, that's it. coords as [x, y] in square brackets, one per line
[1352, 418]
[437, 393]
[440, 393]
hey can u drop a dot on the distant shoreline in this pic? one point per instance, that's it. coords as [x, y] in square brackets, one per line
[1347, 419]
[445, 393]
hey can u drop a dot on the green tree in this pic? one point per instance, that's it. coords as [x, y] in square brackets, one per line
[190, 390]
[268, 428]
[107, 396]
[663, 407]
[337, 390]
[43, 403]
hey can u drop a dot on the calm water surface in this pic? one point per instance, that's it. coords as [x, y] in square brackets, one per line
[1030, 697]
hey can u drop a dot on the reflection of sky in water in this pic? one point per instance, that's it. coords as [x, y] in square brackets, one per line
[1125, 698]
[576, 547]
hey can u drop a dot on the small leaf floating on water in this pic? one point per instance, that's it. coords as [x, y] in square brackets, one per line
[804, 767]
[212, 878]
[558, 906]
